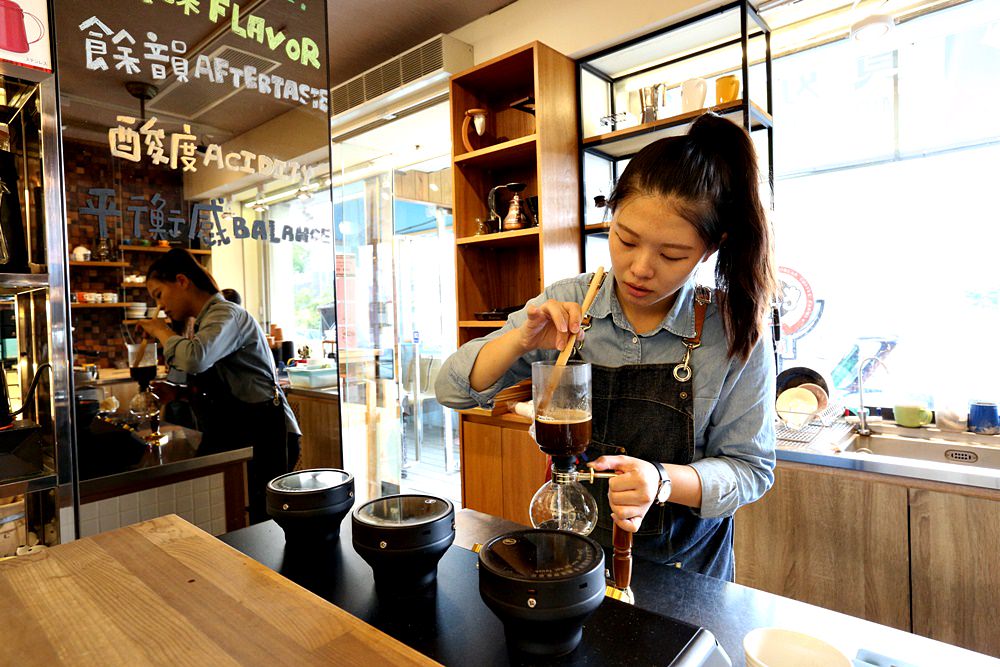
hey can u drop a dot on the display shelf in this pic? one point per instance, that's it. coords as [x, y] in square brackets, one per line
[143, 248]
[627, 142]
[43, 481]
[76, 306]
[97, 265]
[729, 40]
[504, 154]
[502, 239]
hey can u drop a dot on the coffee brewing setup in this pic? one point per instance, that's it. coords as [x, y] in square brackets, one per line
[542, 584]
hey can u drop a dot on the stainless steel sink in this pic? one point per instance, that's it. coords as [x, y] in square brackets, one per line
[937, 451]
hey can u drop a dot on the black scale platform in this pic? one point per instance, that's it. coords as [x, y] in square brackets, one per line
[452, 625]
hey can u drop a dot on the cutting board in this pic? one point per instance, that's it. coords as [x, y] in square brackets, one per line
[164, 592]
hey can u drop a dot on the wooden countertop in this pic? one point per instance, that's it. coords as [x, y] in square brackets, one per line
[163, 592]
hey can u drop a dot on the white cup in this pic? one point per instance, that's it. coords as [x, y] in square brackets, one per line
[693, 92]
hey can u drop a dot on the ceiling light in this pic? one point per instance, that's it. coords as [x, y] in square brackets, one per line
[434, 187]
[872, 27]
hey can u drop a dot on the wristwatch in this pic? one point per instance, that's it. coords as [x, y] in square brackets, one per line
[662, 491]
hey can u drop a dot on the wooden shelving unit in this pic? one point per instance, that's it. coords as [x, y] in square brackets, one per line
[507, 268]
[501, 466]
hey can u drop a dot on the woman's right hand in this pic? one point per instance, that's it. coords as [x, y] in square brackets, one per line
[550, 325]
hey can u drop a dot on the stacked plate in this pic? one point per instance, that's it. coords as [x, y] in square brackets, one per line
[776, 647]
[135, 310]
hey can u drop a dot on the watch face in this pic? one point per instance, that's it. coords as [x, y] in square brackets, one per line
[663, 493]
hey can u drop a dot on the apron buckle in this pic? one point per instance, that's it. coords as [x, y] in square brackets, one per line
[585, 325]
[682, 371]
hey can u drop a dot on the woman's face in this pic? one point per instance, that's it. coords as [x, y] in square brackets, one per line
[173, 298]
[653, 251]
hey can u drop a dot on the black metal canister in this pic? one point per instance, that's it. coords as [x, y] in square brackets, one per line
[402, 537]
[543, 584]
[310, 505]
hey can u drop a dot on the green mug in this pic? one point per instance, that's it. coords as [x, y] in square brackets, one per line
[912, 416]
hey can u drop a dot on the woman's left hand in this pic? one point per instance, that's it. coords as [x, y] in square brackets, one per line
[157, 328]
[632, 491]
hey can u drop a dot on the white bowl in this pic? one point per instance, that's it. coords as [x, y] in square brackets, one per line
[796, 407]
[777, 647]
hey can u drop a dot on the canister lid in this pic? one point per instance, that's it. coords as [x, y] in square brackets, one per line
[308, 481]
[541, 555]
[403, 511]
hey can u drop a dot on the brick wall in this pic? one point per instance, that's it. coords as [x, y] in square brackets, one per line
[90, 165]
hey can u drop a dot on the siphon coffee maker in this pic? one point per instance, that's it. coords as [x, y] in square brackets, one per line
[145, 405]
[561, 395]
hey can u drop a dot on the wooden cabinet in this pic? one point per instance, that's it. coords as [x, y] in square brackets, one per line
[830, 538]
[919, 556]
[954, 544]
[319, 420]
[502, 466]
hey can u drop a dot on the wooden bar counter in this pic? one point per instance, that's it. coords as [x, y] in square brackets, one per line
[164, 592]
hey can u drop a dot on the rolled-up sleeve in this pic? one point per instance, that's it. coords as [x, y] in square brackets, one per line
[218, 336]
[738, 463]
[452, 386]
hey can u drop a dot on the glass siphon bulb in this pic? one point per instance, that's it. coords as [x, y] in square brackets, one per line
[564, 506]
[144, 404]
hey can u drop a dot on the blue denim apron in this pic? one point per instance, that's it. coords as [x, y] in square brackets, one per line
[647, 411]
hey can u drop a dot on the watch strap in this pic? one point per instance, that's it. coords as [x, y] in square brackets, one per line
[664, 481]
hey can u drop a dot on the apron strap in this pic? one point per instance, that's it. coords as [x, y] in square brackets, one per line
[703, 297]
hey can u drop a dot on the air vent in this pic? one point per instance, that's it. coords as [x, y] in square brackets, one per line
[197, 96]
[437, 58]
[961, 455]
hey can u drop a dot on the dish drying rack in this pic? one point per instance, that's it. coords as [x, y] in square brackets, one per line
[827, 423]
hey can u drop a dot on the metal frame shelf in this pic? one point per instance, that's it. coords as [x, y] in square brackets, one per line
[731, 26]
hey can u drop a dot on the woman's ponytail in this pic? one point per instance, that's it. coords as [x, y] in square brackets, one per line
[713, 172]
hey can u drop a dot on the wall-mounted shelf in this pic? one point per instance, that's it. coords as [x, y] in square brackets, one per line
[627, 142]
[509, 152]
[143, 248]
[74, 306]
[96, 265]
[502, 239]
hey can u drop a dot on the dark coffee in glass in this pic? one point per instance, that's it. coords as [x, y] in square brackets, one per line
[563, 432]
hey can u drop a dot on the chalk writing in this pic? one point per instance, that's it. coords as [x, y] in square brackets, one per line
[158, 55]
[125, 141]
[302, 50]
[151, 219]
[94, 45]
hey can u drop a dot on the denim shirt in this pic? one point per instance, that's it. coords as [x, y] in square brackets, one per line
[733, 400]
[230, 340]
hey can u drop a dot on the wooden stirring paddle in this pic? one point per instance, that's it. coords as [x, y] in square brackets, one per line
[550, 388]
[142, 346]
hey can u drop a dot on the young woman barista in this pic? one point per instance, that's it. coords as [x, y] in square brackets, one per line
[683, 379]
[228, 361]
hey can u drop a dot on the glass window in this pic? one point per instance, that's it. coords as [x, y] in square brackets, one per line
[886, 244]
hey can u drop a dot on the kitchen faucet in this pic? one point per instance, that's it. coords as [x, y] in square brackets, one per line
[863, 424]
